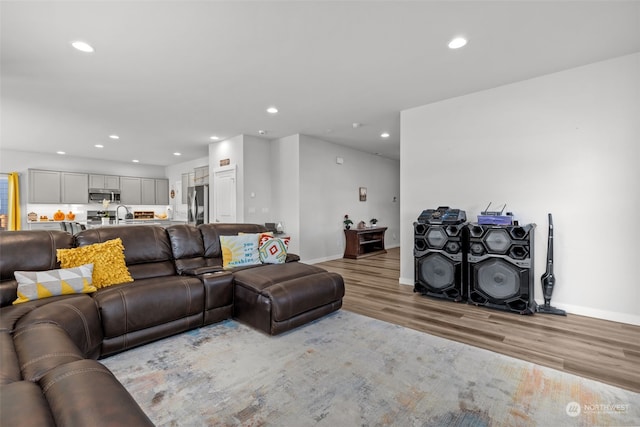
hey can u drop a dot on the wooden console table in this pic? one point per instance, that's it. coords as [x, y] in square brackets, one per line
[363, 242]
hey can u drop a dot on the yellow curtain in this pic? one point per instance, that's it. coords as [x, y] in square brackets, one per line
[14, 202]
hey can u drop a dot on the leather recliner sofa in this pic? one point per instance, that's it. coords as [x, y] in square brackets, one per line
[48, 347]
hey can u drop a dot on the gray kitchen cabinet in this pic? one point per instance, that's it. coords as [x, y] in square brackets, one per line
[162, 191]
[201, 175]
[148, 186]
[155, 191]
[109, 182]
[185, 188]
[130, 190]
[74, 187]
[44, 186]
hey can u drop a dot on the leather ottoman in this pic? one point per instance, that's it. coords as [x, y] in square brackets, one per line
[277, 298]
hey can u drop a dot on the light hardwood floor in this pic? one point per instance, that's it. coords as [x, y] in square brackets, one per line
[598, 349]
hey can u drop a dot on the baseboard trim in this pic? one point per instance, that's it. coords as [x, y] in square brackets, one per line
[336, 256]
[319, 260]
[631, 319]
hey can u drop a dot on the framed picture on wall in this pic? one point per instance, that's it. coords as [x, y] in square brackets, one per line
[363, 194]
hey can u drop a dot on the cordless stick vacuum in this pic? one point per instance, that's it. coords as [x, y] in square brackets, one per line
[548, 279]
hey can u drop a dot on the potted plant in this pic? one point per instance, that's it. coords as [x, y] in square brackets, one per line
[105, 214]
[347, 222]
[373, 222]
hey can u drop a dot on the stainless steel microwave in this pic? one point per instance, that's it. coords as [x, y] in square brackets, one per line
[97, 195]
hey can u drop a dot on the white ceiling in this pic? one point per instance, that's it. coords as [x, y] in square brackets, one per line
[165, 76]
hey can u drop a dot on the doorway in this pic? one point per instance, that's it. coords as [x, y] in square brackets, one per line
[224, 195]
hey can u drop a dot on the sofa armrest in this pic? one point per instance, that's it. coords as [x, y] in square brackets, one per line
[80, 382]
[218, 289]
[8, 292]
[199, 271]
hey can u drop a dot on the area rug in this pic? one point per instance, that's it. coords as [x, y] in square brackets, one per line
[350, 370]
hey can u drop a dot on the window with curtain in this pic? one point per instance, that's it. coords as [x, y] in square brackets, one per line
[4, 201]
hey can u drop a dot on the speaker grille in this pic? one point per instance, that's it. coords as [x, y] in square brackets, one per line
[436, 271]
[436, 238]
[440, 259]
[498, 241]
[498, 279]
[500, 267]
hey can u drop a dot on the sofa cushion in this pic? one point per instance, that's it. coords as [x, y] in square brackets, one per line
[148, 302]
[107, 259]
[186, 241]
[259, 279]
[292, 288]
[33, 285]
[9, 367]
[40, 245]
[42, 347]
[76, 314]
[239, 251]
[23, 404]
[188, 250]
[147, 250]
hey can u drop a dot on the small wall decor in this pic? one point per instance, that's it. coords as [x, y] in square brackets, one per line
[363, 194]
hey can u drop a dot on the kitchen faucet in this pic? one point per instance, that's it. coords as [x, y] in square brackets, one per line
[117, 209]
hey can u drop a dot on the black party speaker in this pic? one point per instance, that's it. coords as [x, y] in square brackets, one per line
[439, 257]
[500, 267]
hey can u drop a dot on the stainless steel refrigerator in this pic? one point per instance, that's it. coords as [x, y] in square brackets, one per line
[198, 197]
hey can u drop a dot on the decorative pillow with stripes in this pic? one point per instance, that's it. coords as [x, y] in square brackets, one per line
[33, 285]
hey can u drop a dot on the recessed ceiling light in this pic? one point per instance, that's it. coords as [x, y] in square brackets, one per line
[135, 161]
[272, 110]
[384, 135]
[177, 154]
[99, 146]
[215, 138]
[457, 43]
[60, 152]
[82, 46]
[114, 137]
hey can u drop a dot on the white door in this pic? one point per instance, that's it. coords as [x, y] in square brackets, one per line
[224, 193]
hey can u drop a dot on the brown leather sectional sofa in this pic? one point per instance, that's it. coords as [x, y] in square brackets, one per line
[48, 372]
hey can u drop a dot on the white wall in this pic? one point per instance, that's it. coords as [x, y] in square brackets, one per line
[566, 143]
[329, 190]
[285, 187]
[257, 180]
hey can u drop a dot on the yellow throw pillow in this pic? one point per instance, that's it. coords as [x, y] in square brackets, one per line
[33, 285]
[107, 258]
